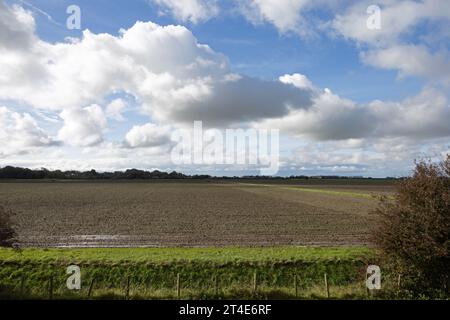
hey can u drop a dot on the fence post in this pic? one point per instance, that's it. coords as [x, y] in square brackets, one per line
[148, 285]
[255, 282]
[91, 286]
[296, 286]
[22, 285]
[326, 285]
[178, 286]
[216, 286]
[365, 284]
[50, 288]
[399, 283]
[127, 292]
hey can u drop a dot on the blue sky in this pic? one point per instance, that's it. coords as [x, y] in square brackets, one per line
[393, 80]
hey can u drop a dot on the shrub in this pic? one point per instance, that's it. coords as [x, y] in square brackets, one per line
[414, 229]
[7, 233]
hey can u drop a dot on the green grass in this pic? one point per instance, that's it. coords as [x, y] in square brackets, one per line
[314, 190]
[153, 272]
[169, 255]
[332, 192]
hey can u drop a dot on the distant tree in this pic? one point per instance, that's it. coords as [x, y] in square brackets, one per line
[132, 174]
[414, 229]
[7, 233]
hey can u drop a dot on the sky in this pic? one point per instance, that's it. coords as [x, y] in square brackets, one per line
[357, 88]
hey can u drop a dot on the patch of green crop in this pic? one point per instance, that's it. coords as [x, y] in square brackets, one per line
[315, 190]
[333, 192]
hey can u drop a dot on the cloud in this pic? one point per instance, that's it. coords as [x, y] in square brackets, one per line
[17, 27]
[190, 10]
[331, 117]
[238, 101]
[297, 80]
[285, 15]
[368, 157]
[20, 133]
[148, 136]
[398, 19]
[108, 156]
[175, 79]
[425, 116]
[410, 60]
[42, 12]
[83, 127]
[172, 76]
[400, 43]
[115, 109]
[144, 60]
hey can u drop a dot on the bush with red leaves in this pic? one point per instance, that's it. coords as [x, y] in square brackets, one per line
[414, 229]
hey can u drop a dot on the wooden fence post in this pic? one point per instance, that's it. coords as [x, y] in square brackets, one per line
[148, 285]
[255, 282]
[365, 285]
[50, 288]
[296, 286]
[91, 286]
[178, 286]
[216, 286]
[326, 285]
[22, 285]
[127, 292]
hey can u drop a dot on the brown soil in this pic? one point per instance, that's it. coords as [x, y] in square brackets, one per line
[183, 214]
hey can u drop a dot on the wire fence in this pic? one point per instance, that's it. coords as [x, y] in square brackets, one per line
[128, 283]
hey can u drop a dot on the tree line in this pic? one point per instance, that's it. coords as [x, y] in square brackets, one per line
[24, 173]
[10, 172]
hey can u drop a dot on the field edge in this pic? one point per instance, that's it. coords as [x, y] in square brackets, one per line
[167, 255]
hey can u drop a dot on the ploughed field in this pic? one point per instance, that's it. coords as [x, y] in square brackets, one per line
[168, 214]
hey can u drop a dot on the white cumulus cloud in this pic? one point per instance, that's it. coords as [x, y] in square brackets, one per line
[115, 109]
[283, 14]
[410, 60]
[173, 79]
[332, 117]
[163, 67]
[20, 133]
[401, 41]
[83, 127]
[148, 136]
[398, 18]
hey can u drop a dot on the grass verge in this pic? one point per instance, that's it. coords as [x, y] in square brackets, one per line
[205, 273]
